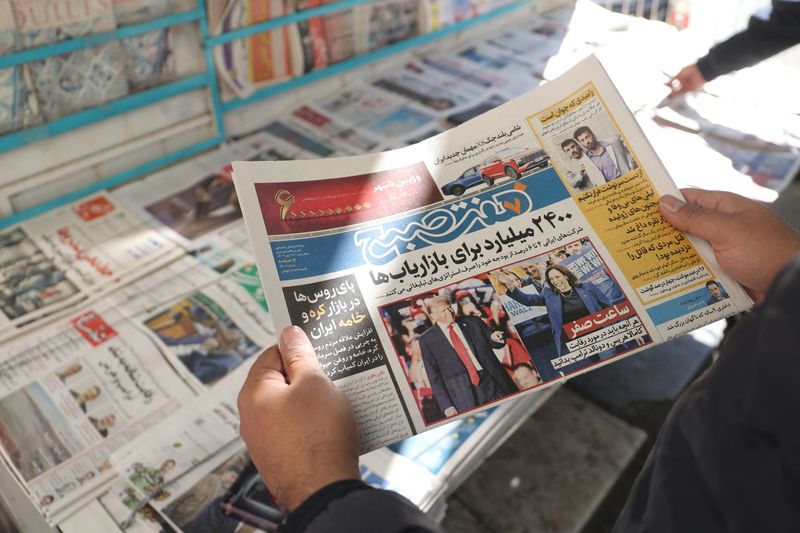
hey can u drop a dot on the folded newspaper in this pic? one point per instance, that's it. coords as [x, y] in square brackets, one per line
[515, 251]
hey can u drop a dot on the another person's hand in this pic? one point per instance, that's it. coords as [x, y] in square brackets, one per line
[297, 425]
[750, 242]
[689, 79]
[450, 411]
[497, 337]
[505, 278]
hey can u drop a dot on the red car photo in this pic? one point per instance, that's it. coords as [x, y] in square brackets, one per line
[512, 162]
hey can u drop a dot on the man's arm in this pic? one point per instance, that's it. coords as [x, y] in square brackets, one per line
[524, 298]
[764, 37]
[301, 434]
[628, 156]
[495, 338]
[749, 241]
[728, 432]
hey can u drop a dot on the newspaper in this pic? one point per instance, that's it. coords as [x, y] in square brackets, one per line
[177, 341]
[73, 392]
[70, 255]
[549, 264]
[17, 103]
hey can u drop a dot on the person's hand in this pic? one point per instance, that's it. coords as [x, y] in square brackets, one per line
[689, 79]
[505, 278]
[450, 411]
[298, 427]
[750, 242]
[497, 337]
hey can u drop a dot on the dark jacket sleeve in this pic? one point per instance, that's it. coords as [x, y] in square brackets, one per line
[353, 506]
[761, 39]
[727, 456]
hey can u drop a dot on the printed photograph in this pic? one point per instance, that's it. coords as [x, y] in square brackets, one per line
[230, 498]
[313, 205]
[568, 309]
[205, 206]
[586, 145]
[592, 156]
[104, 422]
[203, 337]
[70, 373]
[150, 479]
[506, 164]
[124, 505]
[484, 338]
[716, 292]
[28, 279]
[458, 348]
[33, 432]
[87, 394]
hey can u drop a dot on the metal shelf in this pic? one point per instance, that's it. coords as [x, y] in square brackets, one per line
[88, 41]
[208, 79]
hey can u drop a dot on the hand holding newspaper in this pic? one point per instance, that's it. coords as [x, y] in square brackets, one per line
[508, 254]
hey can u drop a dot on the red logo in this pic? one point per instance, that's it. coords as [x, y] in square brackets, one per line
[93, 328]
[94, 208]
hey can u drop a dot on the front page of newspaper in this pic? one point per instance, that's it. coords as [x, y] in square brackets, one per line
[508, 254]
[70, 255]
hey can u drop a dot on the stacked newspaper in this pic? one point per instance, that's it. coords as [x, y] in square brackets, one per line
[71, 82]
[134, 392]
[246, 65]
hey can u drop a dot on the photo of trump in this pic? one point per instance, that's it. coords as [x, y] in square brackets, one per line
[458, 348]
[461, 366]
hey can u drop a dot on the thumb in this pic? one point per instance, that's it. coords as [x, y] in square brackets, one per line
[708, 224]
[298, 354]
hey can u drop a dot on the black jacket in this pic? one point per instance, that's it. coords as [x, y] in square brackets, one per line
[728, 456]
[761, 39]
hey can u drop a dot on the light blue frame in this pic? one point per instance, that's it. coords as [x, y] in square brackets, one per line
[206, 79]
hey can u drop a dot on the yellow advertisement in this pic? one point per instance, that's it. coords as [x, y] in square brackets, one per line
[615, 194]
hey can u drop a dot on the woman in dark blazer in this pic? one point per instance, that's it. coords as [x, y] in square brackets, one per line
[563, 295]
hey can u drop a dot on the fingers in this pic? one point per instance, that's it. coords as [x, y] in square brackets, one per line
[298, 354]
[676, 87]
[726, 202]
[690, 78]
[268, 367]
[705, 222]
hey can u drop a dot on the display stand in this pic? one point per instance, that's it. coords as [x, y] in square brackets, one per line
[206, 80]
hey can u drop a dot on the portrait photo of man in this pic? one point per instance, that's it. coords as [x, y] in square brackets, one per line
[459, 359]
[610, 156]
[716, 292]
[85, 396]
[581, 172]
[103, 424]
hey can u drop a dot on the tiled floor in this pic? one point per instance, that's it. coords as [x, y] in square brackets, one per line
[570, 467]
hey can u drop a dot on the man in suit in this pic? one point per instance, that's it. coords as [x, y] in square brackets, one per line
[461, 366]
[716, 292]
[611, 155]
[534, 277]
